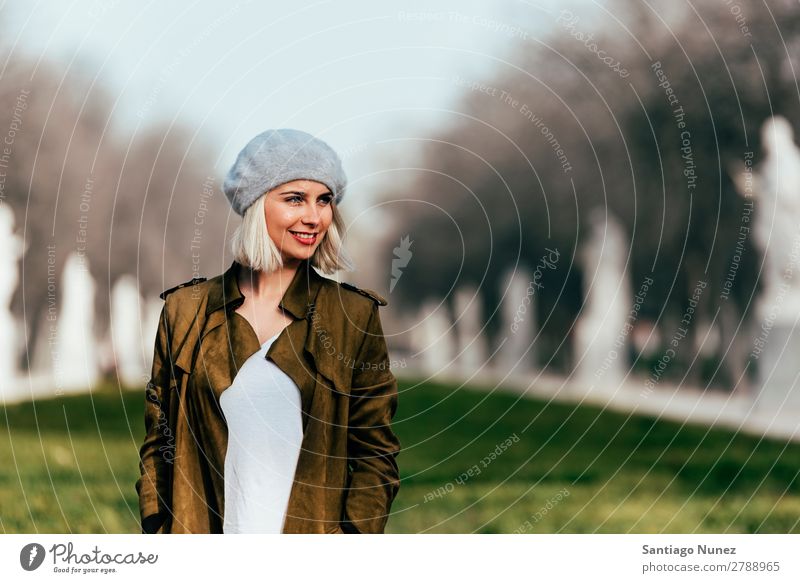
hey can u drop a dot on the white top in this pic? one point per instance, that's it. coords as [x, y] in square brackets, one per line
[264, 416]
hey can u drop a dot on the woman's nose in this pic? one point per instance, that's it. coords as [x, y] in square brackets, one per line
[311, 214]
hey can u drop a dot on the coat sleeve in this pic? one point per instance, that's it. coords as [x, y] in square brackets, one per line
[372, 446]
[156, 454]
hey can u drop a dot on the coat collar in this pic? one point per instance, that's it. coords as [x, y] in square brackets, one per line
[290, 351]
[224, 291]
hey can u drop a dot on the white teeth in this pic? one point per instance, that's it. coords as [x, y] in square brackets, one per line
[303, 235]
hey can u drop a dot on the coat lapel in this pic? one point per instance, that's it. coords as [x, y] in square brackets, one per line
[230, 340]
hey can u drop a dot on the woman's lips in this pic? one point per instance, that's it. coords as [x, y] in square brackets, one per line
[306, 240]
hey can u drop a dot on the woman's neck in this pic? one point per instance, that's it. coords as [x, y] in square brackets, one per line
[260, 285]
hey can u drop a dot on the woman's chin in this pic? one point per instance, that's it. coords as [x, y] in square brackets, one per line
[290, 255]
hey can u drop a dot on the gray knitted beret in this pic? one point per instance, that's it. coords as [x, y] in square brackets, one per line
[277, 156]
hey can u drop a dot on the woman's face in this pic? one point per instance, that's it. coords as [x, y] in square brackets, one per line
[294, 209]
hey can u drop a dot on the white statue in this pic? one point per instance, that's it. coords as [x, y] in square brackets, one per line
[518, 308]
[776, 228]
[151, 314]
[433, 339]
[775, 188]
[600, 342]
[471, 341]
[75, 361]
[11, 246]
[126, 331]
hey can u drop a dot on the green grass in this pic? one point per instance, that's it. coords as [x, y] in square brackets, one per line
[70, 464]
[621, 474]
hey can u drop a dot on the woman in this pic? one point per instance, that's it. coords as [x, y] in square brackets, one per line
[270, 403]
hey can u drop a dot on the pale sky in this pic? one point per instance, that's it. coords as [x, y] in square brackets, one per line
[347, 71]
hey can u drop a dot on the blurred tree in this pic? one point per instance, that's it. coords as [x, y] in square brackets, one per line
[498, 172]
[130, 204]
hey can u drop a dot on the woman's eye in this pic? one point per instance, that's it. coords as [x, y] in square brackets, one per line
[297, 198]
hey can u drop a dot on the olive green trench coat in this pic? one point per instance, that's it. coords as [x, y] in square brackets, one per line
[335, 352]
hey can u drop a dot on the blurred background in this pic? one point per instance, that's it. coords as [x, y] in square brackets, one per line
[585, 217]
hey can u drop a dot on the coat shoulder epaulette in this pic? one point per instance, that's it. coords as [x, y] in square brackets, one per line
[194, 281]
[374, 296]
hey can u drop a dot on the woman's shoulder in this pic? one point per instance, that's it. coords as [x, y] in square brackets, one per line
[184, 301]
[192, 282]
[372, 295]
[354, 295]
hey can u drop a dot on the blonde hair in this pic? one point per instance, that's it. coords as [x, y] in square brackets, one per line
[253, 247]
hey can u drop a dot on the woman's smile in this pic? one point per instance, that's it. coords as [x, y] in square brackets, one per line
[305, 238]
